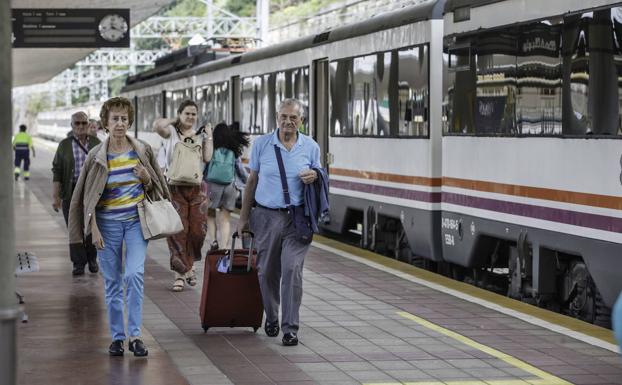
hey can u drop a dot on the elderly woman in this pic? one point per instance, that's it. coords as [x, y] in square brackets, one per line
[189, 199]
[116, 175]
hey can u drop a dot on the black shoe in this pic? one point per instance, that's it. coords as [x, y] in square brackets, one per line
[26, 178]
[139, 348]
[213, 247]
[77, 271]
[290, 339]
[271, 328]
[93, 266]
[116, 348]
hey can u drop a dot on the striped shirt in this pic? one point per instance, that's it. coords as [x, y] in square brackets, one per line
[79, 156]
[123, 189]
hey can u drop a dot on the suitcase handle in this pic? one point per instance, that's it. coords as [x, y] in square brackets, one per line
[235, 236]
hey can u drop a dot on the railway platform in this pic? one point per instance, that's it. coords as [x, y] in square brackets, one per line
[366, 319]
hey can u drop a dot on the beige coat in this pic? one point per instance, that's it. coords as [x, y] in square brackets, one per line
[92, 182]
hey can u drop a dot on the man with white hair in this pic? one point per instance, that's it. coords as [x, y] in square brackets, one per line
[280, 251]
[66, 167]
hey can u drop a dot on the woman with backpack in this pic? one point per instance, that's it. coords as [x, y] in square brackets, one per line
[227, 146]
[185, 154]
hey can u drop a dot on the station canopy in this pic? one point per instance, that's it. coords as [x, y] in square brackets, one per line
[38, 65]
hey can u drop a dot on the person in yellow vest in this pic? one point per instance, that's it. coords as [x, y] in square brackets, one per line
[22, 145]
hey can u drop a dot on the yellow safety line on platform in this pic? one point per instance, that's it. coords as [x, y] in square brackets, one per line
[590, 330]
[544, 378]
[466, 382]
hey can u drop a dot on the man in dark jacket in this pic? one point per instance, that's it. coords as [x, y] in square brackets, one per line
[68, 162]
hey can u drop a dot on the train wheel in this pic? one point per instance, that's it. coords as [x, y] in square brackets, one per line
[580, 300]
[584, 300]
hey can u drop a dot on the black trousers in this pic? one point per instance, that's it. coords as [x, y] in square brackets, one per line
[80, 253]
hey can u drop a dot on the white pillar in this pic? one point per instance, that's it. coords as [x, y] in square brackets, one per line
[8, 301]
[263, 22]
[210, 19]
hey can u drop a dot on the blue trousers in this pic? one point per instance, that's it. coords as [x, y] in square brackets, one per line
[616, 320]
[22, 155]
[114, 233]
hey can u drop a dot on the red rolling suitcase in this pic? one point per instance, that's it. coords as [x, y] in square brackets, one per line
[231, 296]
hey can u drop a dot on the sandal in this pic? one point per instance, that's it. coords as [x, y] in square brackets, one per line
[178, 285]
[191, 278]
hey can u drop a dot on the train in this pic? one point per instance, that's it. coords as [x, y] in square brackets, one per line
[479, 138]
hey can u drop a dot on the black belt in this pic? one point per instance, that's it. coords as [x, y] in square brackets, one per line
[284, 209]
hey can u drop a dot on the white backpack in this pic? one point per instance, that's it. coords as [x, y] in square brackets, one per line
[186, 163]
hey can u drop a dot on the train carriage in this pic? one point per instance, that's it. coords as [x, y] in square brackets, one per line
[531, 148]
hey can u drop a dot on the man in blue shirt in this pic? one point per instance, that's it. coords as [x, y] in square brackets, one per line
[280, 255]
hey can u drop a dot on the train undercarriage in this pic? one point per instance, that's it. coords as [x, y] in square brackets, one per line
[562, 283]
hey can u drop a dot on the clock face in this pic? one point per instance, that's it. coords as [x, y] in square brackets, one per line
[113, 27]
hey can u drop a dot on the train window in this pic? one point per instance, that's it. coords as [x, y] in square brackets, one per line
[364, 96]
[213, 101]
[174, 99]
[483, 72]
[261, 95]
[538, 99]
[149, 108]
[340, 99]
[251, 99]
[292, 83]
[413, 91]
[385, 94]
[551, 77]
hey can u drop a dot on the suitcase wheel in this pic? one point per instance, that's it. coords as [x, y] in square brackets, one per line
[255, 328]
[205, 329]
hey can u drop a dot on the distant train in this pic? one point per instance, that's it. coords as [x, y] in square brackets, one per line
[478, 138]
[55, 125]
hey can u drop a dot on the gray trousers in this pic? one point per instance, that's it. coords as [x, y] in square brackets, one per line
[280, 259]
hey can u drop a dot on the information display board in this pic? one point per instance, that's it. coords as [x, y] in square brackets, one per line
[70, 28]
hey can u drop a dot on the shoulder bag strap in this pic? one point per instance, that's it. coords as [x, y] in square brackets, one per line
[80, 144]
[156, 191]
[279, 160]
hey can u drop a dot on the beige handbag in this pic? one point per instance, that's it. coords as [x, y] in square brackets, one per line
[158, 218]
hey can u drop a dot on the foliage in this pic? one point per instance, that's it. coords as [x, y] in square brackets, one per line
[185, 8]
[115, 85]
[37, 103]
[297, 10]
[243, 8]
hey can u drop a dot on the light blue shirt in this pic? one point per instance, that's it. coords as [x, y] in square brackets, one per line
[304, 154]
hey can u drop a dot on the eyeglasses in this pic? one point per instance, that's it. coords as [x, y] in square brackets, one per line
[81, 123]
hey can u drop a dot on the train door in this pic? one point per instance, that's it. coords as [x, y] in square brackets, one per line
[234, 97]
[320, 109]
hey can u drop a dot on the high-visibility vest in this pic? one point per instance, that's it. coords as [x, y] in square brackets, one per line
[22, 141]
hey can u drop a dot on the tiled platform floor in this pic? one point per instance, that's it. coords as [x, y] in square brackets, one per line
[359, 325]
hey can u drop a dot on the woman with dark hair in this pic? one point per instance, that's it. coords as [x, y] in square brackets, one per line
[226, 147]
[190, 150]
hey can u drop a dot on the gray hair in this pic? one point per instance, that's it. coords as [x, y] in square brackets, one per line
[292, 102]
[79, 113]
